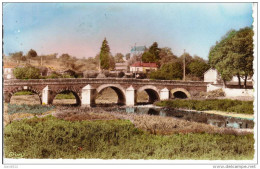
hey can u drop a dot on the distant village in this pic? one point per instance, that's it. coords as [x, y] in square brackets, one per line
[136, 69]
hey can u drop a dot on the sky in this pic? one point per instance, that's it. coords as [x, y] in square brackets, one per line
[79, 28]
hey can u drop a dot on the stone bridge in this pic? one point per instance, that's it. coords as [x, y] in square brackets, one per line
[86, 90]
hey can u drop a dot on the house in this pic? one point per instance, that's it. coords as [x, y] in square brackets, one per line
[136, 50]
[121, 67]
[8, 72]
[212, 75]
[140, 67]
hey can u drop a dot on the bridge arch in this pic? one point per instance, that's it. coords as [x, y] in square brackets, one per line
[180, 93]
[152, 92]
[71, 89]
[8, 95]
[120, 91]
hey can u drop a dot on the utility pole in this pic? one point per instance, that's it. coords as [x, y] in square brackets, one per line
[41, 60]
[184, 66]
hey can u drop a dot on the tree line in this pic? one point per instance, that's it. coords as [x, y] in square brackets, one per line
[231, 56]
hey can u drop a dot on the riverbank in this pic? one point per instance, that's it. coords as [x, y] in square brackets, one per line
[108, 137]
[211, 105]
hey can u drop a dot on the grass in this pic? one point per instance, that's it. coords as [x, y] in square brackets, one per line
[65, 96]
[227, 105]
[25, 108]
[23, 93]
[50, 137]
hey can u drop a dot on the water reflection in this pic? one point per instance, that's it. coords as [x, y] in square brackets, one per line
[196, 116]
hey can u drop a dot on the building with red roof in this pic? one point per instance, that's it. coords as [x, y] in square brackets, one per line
[141, 67]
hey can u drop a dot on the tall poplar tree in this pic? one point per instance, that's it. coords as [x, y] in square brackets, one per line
[104, 55]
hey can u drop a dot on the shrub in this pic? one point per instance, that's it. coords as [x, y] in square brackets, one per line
[49, 137]
[245, 107]
[28, 72]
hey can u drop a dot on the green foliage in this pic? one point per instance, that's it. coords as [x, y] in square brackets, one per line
[148, 57]
[49, 137]
[27, 72]
[24, 108]
[112, 62]
[233, 55]
[53, 75]
[169, 71]
[197, 68]
[152, 55]
[227, 105]
[105, 55]
[23, 93]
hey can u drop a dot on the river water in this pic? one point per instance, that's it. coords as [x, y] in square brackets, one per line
[195, 116]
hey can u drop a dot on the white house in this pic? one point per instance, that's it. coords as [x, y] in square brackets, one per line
[140, 67]
[212, 75]
[121, 67]
[8, 72]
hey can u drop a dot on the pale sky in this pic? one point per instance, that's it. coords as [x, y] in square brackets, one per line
[79, 28]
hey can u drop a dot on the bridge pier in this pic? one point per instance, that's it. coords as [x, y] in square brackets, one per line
[46, 95]
[130, 96]
[164, 94]
[88, 96]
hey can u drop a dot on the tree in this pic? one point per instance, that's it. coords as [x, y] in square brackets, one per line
[233, 55]
[166, 56]
[168, 71]
[18, 56]
[65, 57]
[119, 58]
[154, 50]
[112, 62]
[27, 72]
[148, 57]
[134, 59]
[127, 56]
[31, 54]
[105, 55]
[198, 67]
[242, 54]
[152, 55]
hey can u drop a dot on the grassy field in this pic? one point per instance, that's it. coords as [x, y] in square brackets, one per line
[50, 137]
[227, 105]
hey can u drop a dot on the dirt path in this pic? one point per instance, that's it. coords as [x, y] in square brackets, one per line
[246, 116]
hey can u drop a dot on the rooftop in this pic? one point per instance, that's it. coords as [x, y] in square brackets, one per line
[142, 64]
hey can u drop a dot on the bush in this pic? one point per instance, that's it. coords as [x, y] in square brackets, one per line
[244, 107]
[27, 72]
[50, 137]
